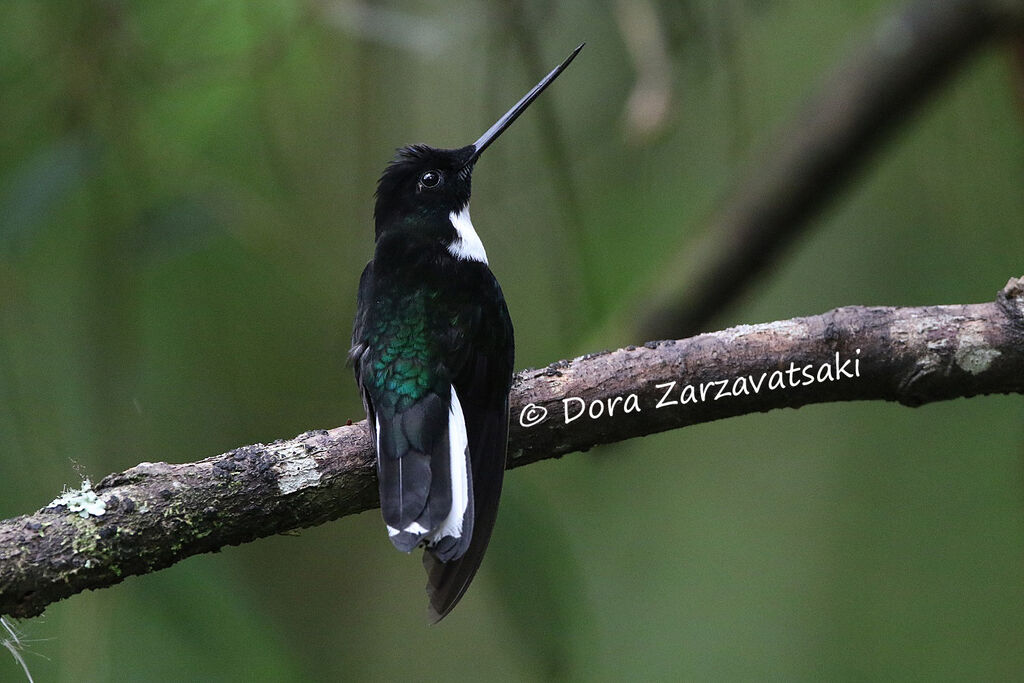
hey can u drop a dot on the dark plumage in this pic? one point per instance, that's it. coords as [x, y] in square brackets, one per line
[432, 349]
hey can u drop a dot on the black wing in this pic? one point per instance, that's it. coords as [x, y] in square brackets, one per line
[398, 343]
[358, 348]
[483, 385]
[413, 439]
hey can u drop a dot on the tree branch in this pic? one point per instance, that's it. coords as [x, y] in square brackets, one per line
[155, 514]
[905, 59]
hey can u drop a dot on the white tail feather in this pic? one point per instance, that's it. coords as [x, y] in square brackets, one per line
[458, 443]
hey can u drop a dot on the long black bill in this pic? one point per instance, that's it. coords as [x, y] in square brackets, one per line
[505, 121]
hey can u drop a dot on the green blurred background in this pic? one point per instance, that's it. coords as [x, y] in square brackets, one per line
[185, 207]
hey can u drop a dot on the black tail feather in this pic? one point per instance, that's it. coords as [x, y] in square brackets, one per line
[447, 581]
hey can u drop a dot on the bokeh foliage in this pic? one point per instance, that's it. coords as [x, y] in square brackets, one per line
[185, 207]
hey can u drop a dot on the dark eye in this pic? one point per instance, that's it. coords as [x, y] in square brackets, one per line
[430, 179]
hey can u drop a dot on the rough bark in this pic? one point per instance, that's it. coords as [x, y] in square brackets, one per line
[155, 514]
[871, 95]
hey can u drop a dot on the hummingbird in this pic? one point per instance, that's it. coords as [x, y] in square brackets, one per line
[432, 350]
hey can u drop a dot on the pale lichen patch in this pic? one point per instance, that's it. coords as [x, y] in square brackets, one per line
[83, 501]
[973, 353]
[295, 474]
[295, 470]
[793, 329]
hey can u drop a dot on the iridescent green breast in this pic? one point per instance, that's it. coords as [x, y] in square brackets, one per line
[404, 347]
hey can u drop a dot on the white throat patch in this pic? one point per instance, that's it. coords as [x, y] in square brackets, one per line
[468, 245]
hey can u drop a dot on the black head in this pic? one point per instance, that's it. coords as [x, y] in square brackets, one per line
[423, 186]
